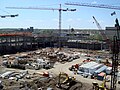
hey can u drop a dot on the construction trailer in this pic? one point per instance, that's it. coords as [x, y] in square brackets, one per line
[102, 69]
[86, 67]
[94, 68]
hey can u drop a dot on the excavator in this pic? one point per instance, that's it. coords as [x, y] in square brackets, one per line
[68, 83]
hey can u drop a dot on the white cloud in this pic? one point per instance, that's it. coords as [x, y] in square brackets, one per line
[94, 2]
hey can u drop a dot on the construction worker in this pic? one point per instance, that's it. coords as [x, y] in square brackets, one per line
[75, 71]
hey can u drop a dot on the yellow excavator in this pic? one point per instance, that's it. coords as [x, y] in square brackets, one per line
[68, 83]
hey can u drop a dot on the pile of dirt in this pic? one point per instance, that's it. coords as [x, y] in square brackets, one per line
[43, 83]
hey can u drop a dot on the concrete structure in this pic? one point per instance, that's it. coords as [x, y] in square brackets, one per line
[49, 38]
[111, 31]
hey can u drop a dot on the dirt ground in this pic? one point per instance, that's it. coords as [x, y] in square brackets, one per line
[58, 67]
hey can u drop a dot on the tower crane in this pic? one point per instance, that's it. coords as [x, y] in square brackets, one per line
[94, 5]
[54, 9]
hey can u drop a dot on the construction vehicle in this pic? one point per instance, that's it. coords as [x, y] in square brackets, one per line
[102, 32]
[68, 83]
[102, 86]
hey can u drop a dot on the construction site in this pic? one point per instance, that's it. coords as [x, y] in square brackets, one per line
[60, 59]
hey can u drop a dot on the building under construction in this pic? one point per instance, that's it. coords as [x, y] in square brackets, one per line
[29, 39]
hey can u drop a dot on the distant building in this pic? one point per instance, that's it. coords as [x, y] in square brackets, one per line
[111, 31]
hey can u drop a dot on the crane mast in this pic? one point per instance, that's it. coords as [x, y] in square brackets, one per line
[60, 27]
[115, 56]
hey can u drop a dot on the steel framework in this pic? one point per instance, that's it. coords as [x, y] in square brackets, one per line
[115, 57]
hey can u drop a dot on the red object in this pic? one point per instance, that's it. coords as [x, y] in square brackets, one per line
[77, 66]
[87, 61]
[101, 74]
[46, 74]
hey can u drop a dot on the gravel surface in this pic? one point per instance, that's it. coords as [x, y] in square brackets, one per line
[65, 68]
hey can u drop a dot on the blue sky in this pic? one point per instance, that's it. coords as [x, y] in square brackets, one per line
[48, 19]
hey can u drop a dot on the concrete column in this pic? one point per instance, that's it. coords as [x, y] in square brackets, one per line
[10, 41]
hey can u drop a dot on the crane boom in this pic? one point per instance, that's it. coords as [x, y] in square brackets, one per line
[98, 25]
[100, 28]
[38, 8]
[95, 5]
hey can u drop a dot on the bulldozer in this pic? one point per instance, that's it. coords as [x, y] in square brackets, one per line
[68, 83]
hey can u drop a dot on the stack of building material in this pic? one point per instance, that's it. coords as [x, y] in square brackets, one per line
[6, 74]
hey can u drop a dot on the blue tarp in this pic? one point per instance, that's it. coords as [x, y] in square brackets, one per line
[101, 69]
